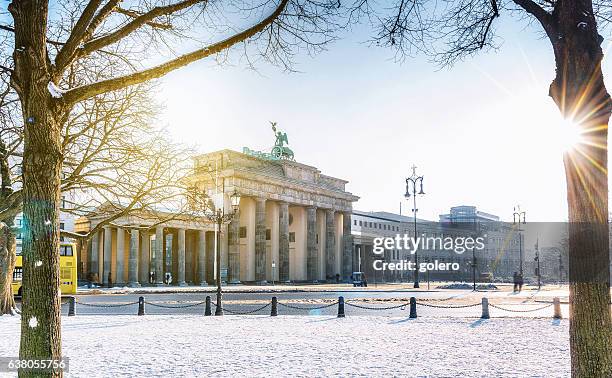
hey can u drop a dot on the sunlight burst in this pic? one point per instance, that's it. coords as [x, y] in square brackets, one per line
[569, 135]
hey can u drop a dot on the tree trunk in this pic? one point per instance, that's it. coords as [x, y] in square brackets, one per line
[7, 266]
[42, 160]
[580, 94]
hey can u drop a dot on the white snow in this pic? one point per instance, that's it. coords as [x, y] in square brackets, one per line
[309, 346]
[56, 92]
[38, 263]
[33, 323]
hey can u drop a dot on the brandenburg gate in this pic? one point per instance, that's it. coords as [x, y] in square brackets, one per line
[293, 225]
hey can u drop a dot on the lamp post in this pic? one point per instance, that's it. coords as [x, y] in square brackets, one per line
[474, 267]
[411, 191]
[560, 267]
[218, 216]
[537, 259]
[518, 217]
[474, 264]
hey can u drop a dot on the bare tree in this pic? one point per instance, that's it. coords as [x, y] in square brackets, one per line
[112, 157]
[453, 29]
[10, 141]
[41, 61]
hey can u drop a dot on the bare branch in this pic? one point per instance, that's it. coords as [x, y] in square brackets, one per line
[152, 24]
[538, 12]
[84, 92]
[138, 22]
[76, 36]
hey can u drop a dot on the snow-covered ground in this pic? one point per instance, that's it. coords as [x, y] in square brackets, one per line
[306, 346]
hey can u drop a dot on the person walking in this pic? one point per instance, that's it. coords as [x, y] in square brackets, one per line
[516, 281]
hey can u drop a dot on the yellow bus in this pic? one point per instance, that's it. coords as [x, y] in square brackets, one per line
[68, 270]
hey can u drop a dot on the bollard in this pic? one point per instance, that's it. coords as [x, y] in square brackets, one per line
[557, 305]
[274, 311]
[71, 306]
[341, 307]
[413, 313]
[141, 306]
[485, 308]
[207, 309]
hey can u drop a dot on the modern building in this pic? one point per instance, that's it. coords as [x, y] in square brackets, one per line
[294, 225]
[467, 214]
[499, 258]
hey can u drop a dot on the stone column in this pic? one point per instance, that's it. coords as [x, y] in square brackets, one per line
[145, 255]
[82, 258]
[181, 257]
[347, 250]
[312, 255]
[330, 244]
[260, 240]
[133, 260]
[233, 240]
[94, 256]
[283, 242]
[120, 264]
[202, 257]
[158, 249]
[168, 243]
[108, 254]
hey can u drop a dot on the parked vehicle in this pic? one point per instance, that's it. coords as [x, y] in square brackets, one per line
[68, 270]
[359, 279]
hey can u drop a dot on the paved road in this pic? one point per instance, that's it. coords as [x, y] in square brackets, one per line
[311, 303]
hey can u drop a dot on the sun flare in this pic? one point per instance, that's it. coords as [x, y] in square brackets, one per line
[569, 135]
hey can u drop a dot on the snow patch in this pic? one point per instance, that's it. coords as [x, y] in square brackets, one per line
[38, 263]
[33, 323]
[308, 346]
[55, 91]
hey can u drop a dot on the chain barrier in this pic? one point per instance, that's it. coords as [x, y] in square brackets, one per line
[530, 310]
[175, 306]
[106, 305]
[403, 306]
[308, 308]
[351, 303]
[454, 306]
[243, 312]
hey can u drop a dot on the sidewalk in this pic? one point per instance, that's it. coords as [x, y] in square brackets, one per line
[303, 288]
[503, 289]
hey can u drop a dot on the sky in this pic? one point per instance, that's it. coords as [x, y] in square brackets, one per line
[481, 133]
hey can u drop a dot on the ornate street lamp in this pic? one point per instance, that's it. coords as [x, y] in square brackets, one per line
[217, 215]
[474, 264]
[518, 217]
[411, 191]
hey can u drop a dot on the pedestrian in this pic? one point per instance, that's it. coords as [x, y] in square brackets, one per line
[110, 280]
[516, 281]
[151, 277]
[337, 278]
[520, 282]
